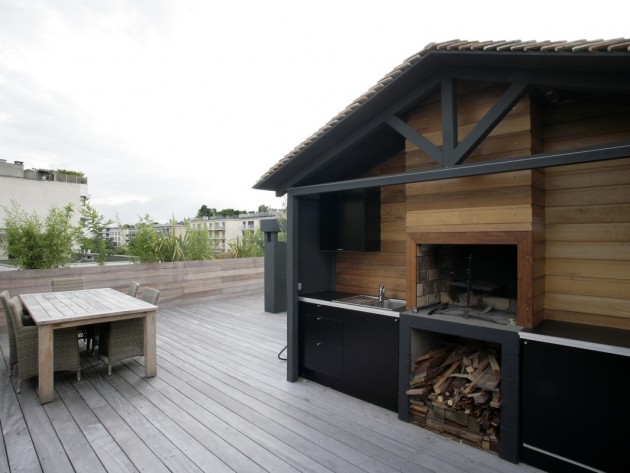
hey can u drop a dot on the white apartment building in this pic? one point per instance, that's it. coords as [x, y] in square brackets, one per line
[38, 190]
[225, 230]
[221, 230]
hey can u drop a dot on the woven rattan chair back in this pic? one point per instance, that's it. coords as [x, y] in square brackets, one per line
[124, 339]
[151, 295]
[4, 300]
[66, 347]
[133, 288]
[67, 284]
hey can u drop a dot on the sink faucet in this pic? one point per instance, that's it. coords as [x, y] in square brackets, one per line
[381, 293]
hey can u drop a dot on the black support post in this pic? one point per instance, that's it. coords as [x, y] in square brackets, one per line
[275, 268]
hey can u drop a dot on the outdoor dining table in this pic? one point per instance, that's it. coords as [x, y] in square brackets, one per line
[54, 310]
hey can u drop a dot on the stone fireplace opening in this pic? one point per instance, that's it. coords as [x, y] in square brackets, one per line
[470, 280]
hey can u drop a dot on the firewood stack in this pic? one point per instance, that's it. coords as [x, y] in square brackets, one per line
[455, 390]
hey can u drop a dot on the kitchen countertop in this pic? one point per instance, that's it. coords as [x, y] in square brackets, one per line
[329, 298]
[589, 337]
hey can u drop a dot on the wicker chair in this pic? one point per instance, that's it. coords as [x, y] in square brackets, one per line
[88, 332]
[133, 288]
[4, 298]
[67, 284]
[26, 320]
[66, 347]
[124, 339]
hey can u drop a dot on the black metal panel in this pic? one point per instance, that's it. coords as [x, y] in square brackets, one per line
[485, 126]
[449, 122]
[275, 268]
[575, 407]
[416, 138]
[292, 284]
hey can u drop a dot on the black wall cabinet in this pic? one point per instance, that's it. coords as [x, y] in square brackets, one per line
[350, 220]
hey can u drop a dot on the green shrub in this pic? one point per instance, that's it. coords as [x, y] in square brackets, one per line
[37, 244]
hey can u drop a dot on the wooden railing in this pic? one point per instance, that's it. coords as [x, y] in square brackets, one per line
[179, 283]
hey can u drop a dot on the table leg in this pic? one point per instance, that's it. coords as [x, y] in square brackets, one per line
[46, 361]
[150, 350]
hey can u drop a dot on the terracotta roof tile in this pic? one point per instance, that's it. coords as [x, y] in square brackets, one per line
[619, 45]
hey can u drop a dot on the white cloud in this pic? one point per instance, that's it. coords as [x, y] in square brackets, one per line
[167, 105]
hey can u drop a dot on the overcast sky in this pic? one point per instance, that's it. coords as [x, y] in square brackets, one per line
[167, 105]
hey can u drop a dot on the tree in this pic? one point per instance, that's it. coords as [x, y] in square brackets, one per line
[37, 244]
[250, 246]
[146, 241]
[205, 211]
[199, 246]
[94, 224]
[263, 209]
[151, 246]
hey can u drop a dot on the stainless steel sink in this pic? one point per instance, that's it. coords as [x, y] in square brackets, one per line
[373, 301]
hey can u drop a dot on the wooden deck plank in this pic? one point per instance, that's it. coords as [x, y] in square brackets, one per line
[76, 446]
[164, 439]
[50, 451]
[19, 451]
[198, 416]
[220, 402]
[101, 442]
[135, 449]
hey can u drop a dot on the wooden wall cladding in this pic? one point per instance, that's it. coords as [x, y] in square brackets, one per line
[578, 216]
[588, 243]
[179, 283]
[512, 136]
[362, 273]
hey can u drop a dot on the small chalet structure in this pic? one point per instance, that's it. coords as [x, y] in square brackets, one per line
[517, 151]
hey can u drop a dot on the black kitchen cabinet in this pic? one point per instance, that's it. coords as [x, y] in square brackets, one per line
[574, 407]
[350, 220]
[321, 339]
[351, 351]
[370, 357]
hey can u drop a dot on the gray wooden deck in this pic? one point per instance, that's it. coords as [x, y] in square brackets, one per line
[220, 402]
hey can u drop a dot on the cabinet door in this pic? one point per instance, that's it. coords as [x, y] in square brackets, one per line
[321, 339]
[350, 220]
[575, 406]
[370, 357]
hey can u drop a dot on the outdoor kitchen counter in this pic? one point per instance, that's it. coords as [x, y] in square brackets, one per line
[574, 397]
[589, 337]
[351, 348]
[330, 298]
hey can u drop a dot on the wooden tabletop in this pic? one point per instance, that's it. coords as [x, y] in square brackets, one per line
[68, 306]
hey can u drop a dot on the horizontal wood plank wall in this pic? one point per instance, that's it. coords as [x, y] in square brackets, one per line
[588, 243]
[539, 243]
[499, 203]
[511, 137]
[362, 273]
[179, 283]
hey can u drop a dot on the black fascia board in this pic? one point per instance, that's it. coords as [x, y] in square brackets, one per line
[536, 161]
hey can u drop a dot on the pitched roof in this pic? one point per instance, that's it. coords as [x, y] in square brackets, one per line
[613, 46]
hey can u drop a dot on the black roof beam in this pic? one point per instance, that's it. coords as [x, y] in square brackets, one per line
[542, 160]
[490, 120]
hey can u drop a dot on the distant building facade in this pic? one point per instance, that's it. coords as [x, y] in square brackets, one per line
[225, 230]
[221, 230]
[38, 190]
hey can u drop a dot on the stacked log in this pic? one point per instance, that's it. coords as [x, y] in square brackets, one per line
[455, 390]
